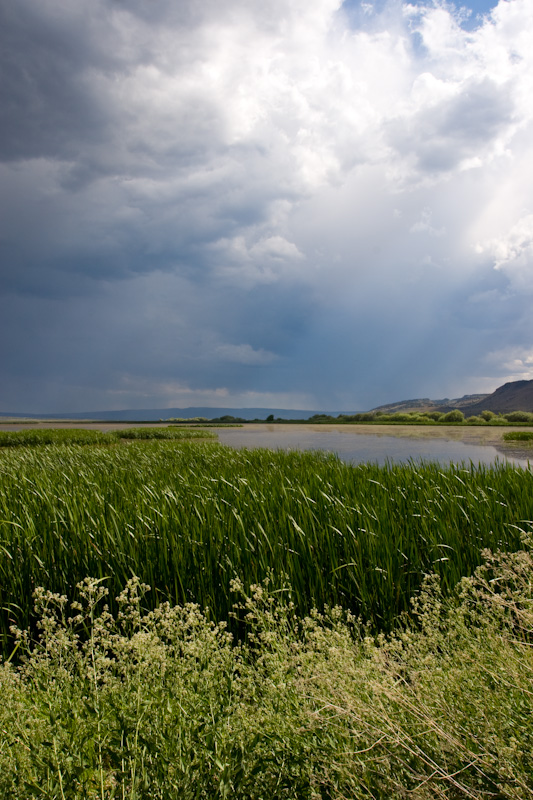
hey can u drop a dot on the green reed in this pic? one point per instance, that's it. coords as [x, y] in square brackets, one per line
[188, 517]
[83, 436]
[518, 436]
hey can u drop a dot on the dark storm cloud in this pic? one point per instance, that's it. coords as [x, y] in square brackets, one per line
[261, 204]
[51, 106]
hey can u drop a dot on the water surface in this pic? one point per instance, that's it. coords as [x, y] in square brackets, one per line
[355, 447]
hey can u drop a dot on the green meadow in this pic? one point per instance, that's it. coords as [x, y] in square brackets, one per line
[180, 619]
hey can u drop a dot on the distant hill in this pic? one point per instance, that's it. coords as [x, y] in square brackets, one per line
[156, 414]
[425, 404]
[512, 396]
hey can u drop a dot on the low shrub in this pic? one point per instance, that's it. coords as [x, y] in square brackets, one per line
[164, 704]
[519, 416]
[453, 416]
[435, 415]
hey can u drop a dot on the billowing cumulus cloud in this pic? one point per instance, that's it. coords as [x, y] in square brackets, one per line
[302, 203]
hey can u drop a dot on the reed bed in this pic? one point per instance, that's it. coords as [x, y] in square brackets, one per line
[518, 436]
[187, 518]
[78, 436]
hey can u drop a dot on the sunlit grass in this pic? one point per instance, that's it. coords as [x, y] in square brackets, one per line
[163, 705]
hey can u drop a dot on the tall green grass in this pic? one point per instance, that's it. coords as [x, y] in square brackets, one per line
[188, 517]
[36, 436]
[83, 436]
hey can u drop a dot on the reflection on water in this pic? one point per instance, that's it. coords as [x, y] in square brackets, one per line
[360, 448]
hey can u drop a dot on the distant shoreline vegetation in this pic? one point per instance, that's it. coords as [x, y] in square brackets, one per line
[454, 417]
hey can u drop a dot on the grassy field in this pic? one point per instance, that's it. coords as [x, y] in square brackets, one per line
[224, 680]
[187, 518]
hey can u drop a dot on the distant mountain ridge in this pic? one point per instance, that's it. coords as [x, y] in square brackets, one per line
[156, 414]
[512, 396]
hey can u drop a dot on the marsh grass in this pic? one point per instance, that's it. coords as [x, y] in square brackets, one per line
[187, 518]
[31, 438]
[164, 705]
[518, 436]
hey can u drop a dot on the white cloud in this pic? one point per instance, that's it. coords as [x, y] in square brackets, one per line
[515, 363]
[275, 247]
[425, 225]
[267, 259]
[513, 253]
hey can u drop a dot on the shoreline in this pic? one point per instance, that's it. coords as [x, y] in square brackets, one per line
[490, 435]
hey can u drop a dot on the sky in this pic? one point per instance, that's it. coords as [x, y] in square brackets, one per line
[263, 203]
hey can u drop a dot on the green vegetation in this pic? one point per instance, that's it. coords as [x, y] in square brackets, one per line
[518, 436]
[163, 706]
[82, 436]
[225, 680]
[38, 436]
[454, 417]
[162, 433]
[187, 518]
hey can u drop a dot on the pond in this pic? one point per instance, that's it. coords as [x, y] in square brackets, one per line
[358, 444]
[395, 445]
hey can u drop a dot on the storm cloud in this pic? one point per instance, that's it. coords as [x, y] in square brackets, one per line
[301, 204]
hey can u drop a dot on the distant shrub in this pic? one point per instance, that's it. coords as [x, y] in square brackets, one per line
[186, 419]
[487, 415]
[453, 416]
[435, 415]
[475, 421]
[519, 416]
